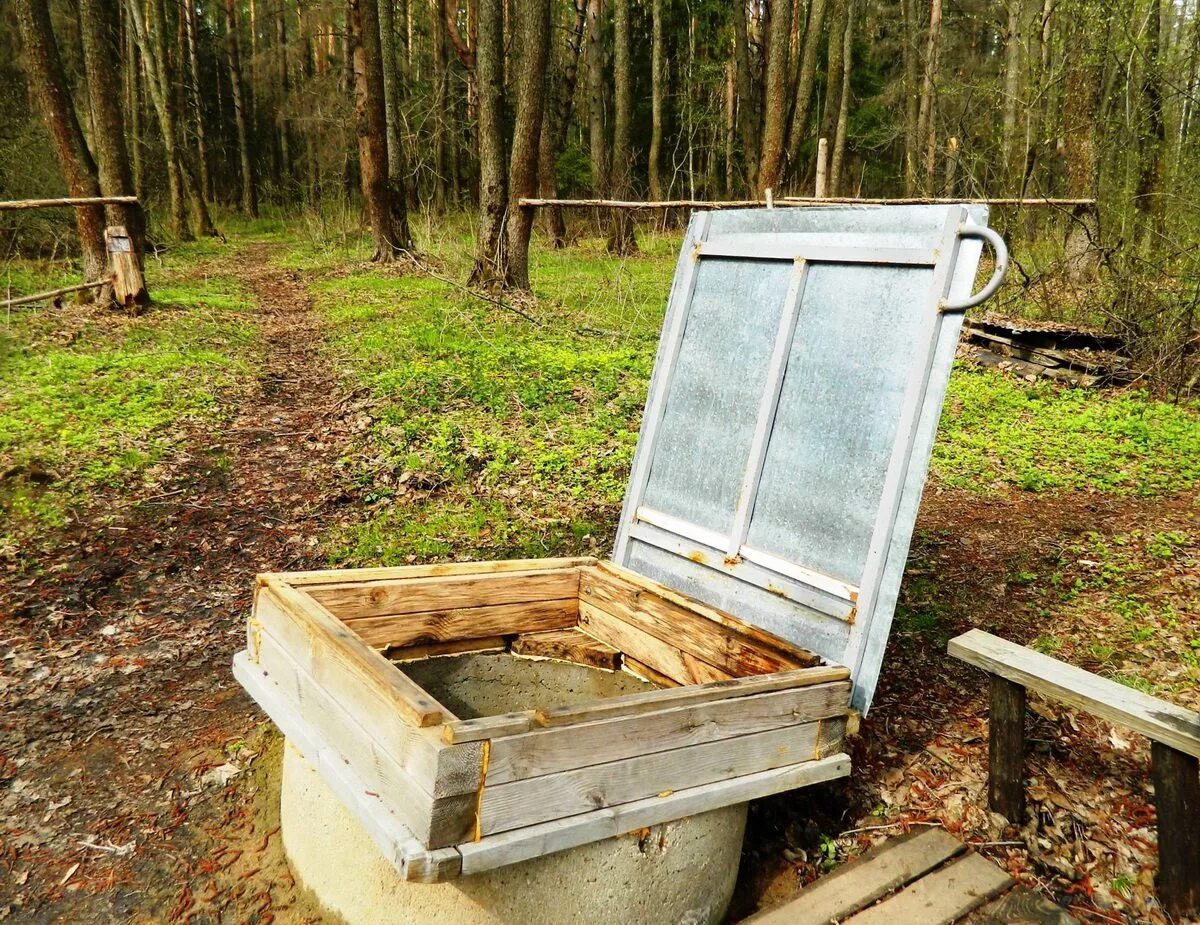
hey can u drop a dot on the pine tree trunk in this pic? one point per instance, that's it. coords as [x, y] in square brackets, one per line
[48, 85]
[597, 142]
[391, 90]
[730, 125]
[747, 108]
[188, 13]
[1153, 144]
[437, 40]
[560, 96]
[804, 90]
[621, 239]
[911, 97]
[775, 101]
[1012, 87]
[387, 212]
[532, 31]
[99, 31]
[249, 199]
[657, 79]
[283, 124]
[833, 85]
[843, 119]
[927, 117]
[493, 181]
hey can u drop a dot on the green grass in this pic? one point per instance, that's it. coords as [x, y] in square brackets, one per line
[91, 399]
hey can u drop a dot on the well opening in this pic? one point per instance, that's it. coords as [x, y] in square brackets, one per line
[475, 685]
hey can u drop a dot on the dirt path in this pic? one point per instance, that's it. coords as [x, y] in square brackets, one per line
[121, 721]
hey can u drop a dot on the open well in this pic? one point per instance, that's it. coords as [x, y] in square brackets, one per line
[730, 712]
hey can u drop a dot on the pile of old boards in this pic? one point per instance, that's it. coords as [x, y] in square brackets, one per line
[928, 877]
[1036, 349]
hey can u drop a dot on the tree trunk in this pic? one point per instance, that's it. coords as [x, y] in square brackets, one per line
[391, 90]
[597, 142]
[926, 118]
[188, 13]
[657, 79]
[1080, 111]
[804, 89]
[730, 124]
[249, 186]
[747, 99]
[1013, 40]
[490, 257]
[99, 28]
[387, 211]
[532, 30]
[843, 119]
[282, 123]
[48, 85]
[557, 120]
[437, 34]
[621, 239]
[911, 98]
[775, 103]
[1153, 144]
[833, 84]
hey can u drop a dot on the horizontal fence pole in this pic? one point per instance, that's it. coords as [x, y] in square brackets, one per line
[43, 296]
[794, 201]
[67, 202]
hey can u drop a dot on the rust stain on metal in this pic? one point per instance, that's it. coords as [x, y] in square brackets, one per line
[733, 560]
[698, 557]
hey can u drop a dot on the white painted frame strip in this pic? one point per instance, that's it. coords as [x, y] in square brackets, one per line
[777, 247]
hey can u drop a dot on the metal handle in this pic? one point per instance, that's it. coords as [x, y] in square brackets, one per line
[1001, 252]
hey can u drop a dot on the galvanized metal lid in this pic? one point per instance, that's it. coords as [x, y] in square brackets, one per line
[799, 379]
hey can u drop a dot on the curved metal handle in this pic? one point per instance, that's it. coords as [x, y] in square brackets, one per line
[1001, 252]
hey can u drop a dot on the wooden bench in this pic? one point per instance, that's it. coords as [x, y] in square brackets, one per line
[1175, 748]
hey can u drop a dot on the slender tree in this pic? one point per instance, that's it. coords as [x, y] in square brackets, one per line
[100, 35]
[621, 238]
[48, 85]
[561, 92]
[927, 116]
[249, 186]
[597, 140]
[775, 102]
[843, 120]
[191, 24]
[490, 259]
[747, 109]
[532, 29]
[391, 90]
[806, 77]
[387, 212]
[657, 81]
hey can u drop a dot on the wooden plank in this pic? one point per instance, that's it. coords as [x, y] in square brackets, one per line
[341, 647]
[488, 727]
[562, 748]
[632, 704]
[455, 647]
[437, 768]
[1021, 907]
[643, 647]
[801, 658]
[941, 898]
[716, 643]
[858, 883]
[1177, 802]
[1153, 717]
[432, 570]
[351, 601]
[540, 799]
[436, 823]
[395, 840]
[569, 645]
[1006, 750]
[465, 623]
[538, 840]
[646, 673]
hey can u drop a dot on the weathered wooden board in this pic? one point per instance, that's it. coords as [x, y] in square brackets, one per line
[522, 844]
[436, 823]
[646, 673]
[562, 748]
[718, 645]
[569, 645]
[329, 642]
[540, 799]
[470, 622]
[485, 644]
[631, 704]
[353, 600]
[663, 657]
[857, 884]
[943, 897]
[433, 570]
[1153, 717]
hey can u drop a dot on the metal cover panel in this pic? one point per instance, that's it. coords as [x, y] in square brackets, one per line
[792, 410]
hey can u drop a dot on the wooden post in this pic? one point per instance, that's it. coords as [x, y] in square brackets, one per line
[1177, 801]
[822, 163]
[129, 287]
[1006, 750]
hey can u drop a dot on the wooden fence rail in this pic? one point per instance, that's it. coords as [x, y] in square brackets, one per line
[14, 204]
[788, 201]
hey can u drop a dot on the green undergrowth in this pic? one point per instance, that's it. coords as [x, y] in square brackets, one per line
[91, 399]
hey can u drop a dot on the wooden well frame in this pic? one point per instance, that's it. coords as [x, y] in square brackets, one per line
[738, 713]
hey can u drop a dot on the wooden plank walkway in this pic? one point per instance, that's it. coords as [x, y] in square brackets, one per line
[926, 877]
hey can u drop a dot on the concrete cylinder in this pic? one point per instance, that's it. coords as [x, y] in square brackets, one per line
[680, 873]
